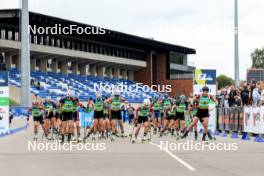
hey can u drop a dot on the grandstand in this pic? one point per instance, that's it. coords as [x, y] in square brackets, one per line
[55, 85]
[77, 61]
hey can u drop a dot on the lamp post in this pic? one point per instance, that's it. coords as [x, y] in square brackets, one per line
[236, 47]
[25, 55]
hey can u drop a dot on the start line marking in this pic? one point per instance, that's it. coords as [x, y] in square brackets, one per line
[175, 157]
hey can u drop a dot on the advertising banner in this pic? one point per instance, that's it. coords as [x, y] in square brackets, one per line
[4, 103]
[254, 120]
[206, 77]
[86, 119]
[212, 119]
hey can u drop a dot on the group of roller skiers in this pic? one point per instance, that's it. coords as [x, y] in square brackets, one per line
[160, 115]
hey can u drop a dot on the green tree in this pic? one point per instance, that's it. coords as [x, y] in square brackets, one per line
[257, 57]
[224, 80]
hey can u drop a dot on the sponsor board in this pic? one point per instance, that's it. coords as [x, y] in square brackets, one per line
[4, 103]
[254, 120]
[212, 119]
[206, 77]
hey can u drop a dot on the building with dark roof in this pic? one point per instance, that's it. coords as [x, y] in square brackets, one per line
[111, 54]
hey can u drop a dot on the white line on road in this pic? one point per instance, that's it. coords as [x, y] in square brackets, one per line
[175, 157]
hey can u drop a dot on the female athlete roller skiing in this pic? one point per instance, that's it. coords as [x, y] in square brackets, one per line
[203, 113]
[142, 120]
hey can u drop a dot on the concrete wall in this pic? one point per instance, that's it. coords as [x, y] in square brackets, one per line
[15, 94]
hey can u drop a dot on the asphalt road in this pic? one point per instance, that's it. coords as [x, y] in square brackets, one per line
[126, 159]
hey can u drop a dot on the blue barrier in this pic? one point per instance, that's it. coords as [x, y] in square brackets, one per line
[19, 112]
[14, 130]
[259, 138]
[235, 135]
[224, 134]
[216, 133]
[245, 136]
[4, 134]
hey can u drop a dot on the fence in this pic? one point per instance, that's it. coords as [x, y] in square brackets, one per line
[247, 119]
[230, 119]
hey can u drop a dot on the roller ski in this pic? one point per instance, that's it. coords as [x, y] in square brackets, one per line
[74, 139]
[112, 138]
[144, 140]
[178, 137]
[185, 135]
[93, 138]
[48, 137]
[130, 137]
[79, 140]
[62, 139]
[155, 131]
[204, 140]
[108, 134]
[69, 138]
[84, 139]
[161, 134]
[123, 135]
[102, 137]
[131, 134]
[133, 140]
[211, 138]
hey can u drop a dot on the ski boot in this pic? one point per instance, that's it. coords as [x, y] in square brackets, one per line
[144, 140]
[93, 137]
[185, 134]
[35, 138]
[48, 137]
[155, 131]
[211, 137]
[133, 140]
[204, 139]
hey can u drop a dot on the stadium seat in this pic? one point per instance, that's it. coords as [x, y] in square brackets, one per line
[53, 85]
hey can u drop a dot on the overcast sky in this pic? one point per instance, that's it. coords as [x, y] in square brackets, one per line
[205, 25]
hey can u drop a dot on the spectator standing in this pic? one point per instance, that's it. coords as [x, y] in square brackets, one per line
[232, 96]
[245, 96]
[256, 97]
[262, 93]
[130, 111]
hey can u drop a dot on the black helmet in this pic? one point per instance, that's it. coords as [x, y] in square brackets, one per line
[205, 88]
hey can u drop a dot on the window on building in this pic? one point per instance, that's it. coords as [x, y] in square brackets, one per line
[37, 62]
[176, 58]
